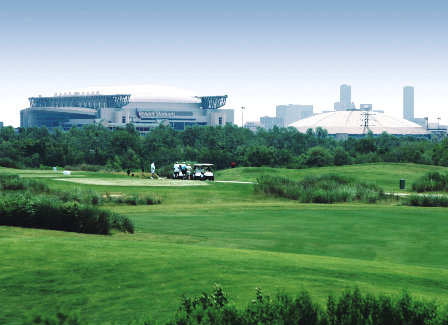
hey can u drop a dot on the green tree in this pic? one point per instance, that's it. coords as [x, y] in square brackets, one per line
[319, 157]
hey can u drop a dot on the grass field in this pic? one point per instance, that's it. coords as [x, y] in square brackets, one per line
[224, 233]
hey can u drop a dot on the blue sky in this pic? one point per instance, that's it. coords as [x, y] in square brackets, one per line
[260, 53]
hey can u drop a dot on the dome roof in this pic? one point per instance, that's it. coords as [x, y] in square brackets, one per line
[352, 122]
[143, 93]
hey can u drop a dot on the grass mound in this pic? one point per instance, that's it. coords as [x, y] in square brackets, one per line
[431, 181]
[328, 188]
[32, 211]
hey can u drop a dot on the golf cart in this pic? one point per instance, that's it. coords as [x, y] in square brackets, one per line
[203, 172]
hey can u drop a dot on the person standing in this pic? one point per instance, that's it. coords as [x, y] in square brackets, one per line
[153, 169]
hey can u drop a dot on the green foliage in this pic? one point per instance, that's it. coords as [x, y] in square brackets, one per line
[124, 148]
[431, 181]
[32, 211]
[319, 157]
[328, 188]
[60, 318]
[9, 163]
[350, 308]
[14, 182]
[426, 200]
[217, 300]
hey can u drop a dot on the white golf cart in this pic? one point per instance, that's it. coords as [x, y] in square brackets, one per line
[203, 172]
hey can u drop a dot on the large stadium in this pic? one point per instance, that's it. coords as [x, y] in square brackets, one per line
[145, 106]
[356, 123]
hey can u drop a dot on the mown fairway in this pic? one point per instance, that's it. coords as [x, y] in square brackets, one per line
[225, 233]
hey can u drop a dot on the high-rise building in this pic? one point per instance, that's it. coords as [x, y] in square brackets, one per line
[408, 103]
[269, 122]
[338, 106]
[292, 113]
[252, 125]
[346, 96]
[365, 107]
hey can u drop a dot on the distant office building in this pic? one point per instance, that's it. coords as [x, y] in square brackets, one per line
[252, 125]
[346, 96]
[408, 107]
[1, 124]
[269, 122]
[340, 106]
[292, 113]
[365, 107]
[408, 103]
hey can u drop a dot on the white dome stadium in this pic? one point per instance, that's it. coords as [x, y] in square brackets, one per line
[142, 93]
[352, 122]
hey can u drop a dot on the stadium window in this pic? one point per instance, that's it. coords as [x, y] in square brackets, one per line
[220, 121]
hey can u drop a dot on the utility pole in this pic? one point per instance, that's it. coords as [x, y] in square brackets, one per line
[242, 114]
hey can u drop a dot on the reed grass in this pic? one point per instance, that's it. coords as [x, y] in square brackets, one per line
[328, 188]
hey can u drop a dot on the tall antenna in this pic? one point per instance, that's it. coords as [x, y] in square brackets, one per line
[366, 119]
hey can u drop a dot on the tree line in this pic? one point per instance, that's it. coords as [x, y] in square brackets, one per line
[125, 148]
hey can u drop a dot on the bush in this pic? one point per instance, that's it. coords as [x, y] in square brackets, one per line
[328, 188]
[14, 182]
[431, 181]
[426, 200]
[9, 163]
[31, 211]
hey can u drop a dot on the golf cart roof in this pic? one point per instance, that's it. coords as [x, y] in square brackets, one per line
[202, 165]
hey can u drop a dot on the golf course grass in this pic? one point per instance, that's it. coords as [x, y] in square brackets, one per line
[224, 233]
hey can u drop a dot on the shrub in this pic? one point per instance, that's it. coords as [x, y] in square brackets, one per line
[431, 181]
[13, 182]
[9, 163]
[328, 188]
[31, 211]
[426, 200]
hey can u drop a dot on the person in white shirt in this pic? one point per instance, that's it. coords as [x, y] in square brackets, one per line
[153, 169]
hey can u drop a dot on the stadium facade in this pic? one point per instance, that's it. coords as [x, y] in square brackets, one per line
[144, 106]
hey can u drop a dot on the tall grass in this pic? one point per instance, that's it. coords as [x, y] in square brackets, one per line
[328, 188]
[350, 308]
[426, 200]
[14, 182]
[43, 212]
[431, 181]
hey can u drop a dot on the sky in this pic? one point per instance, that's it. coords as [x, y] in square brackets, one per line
[259, 53]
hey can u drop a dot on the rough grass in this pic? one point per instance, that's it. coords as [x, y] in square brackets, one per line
[328, 188]
[387, 175]
[223, 233]
[431, 181]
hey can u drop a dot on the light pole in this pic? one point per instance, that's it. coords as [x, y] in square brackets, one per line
[242, 113]
[438, 123]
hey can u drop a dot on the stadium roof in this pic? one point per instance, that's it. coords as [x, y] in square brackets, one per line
[141, 93]
[352, 122]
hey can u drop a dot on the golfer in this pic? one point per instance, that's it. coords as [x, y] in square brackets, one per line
[153, 169]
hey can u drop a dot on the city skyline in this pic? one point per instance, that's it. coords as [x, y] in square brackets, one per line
[261, 54]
